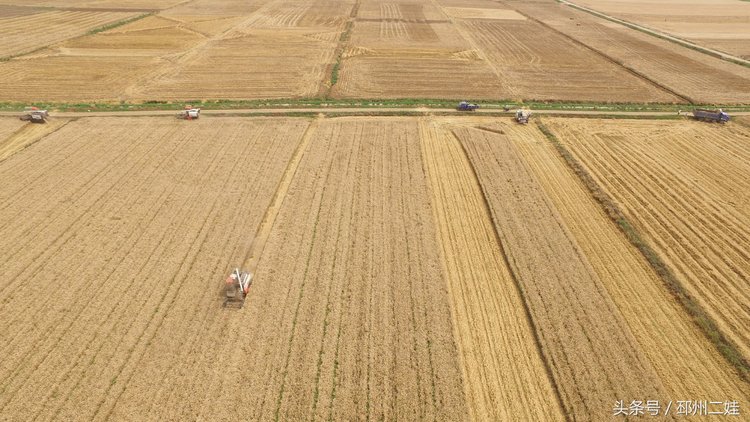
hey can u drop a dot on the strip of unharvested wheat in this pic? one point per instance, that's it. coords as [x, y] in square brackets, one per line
[682, 357]
[504, 374]
[593, 355]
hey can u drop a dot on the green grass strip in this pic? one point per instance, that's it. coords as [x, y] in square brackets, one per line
[707, 325]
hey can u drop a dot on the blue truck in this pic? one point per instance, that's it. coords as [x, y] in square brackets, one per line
[466, 106]
[710, 115]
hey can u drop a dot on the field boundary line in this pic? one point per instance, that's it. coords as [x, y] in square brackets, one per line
[516, 282]
[725, 346]
[258, 244]
[662, 35]
[609, 58]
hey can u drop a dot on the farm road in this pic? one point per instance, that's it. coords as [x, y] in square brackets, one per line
[360, 110]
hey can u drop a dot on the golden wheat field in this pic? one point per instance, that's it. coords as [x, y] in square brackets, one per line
[335, 239]
[456, 261]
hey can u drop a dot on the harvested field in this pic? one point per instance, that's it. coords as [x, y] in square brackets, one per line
[67, 78]
[537, 63]
[249, 66]
[572, 310]
[349, 314]
[99, 4]
[25, 33]
[275, 51]
[679, 69]
[686, 363]
[478, 13]
[141, 217]
[405, 11]
[505, 375]
[685, 187]
[412, 76]
[445, 268]
[720, 24]
[393, 52]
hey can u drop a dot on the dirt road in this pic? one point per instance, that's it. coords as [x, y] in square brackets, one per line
[357, 110]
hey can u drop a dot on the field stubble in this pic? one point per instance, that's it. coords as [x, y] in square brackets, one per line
[685, 187]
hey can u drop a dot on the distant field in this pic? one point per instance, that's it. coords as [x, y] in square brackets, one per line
[477, 50]
[681, 70]
[720, 24]
[22, 33]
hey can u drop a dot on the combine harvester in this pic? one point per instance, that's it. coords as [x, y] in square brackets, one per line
[236, 288]
[705, 115]
[466, 106]
[522, 116]
[189, 113]
[34, 115]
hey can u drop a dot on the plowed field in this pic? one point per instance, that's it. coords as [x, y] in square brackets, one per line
[686, 187]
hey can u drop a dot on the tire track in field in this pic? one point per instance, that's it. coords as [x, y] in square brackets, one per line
[607, 57]
[504, 373]
[34, 189]
[176, 330]
[74, 200]
[216, 334]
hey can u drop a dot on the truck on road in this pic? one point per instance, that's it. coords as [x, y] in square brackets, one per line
[466, 106]
[706, 115]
